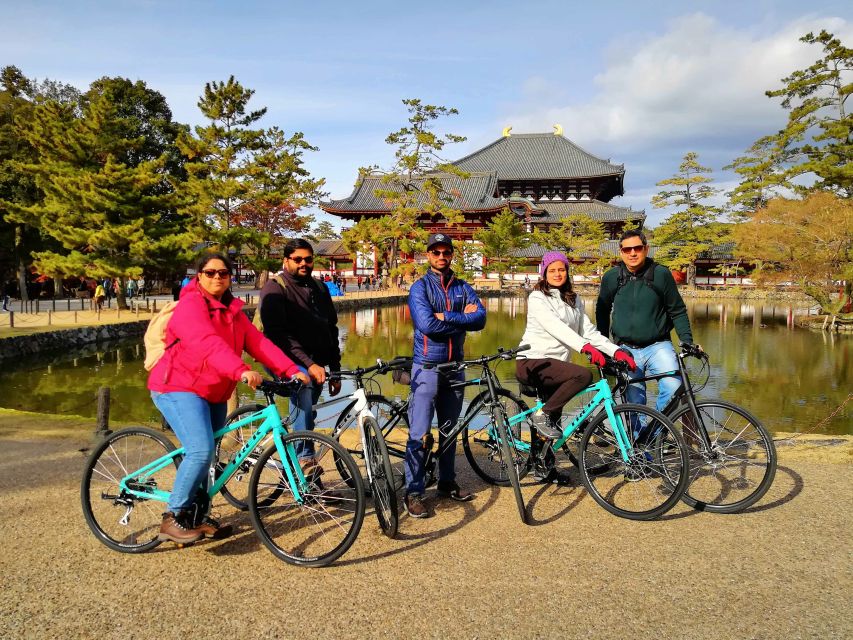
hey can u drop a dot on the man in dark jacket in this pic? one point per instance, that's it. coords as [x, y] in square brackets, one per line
[645, 306]
[443, 309]
[301, 320]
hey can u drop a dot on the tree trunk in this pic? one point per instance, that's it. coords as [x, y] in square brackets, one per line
[57, 287]
[22, 268]
[691, 274]
[121, 294]
[262, 278]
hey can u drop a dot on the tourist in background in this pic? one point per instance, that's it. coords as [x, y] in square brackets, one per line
[638, 305]
[192, 381]
[100, 294]
[443, 310]
[557, 327]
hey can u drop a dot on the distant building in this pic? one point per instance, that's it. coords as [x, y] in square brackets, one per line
[541, 177]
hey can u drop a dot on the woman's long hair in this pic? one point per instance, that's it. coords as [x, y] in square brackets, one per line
[567, 294]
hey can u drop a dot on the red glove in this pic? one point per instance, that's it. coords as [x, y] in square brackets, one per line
[623, 356]
[595, 356]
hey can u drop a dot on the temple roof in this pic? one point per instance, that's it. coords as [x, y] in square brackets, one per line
[595, 209]
[537, 156]
[475, 193]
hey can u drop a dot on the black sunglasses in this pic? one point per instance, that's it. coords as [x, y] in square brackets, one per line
[634, 248]
[300, 259]
[439, 252]
[211, 273]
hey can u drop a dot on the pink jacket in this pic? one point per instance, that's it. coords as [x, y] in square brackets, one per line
[211, 337]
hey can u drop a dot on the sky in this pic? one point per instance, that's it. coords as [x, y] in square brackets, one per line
[639, 83]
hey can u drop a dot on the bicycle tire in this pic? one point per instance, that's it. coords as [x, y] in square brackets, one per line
[390, 418]
[508, 452]
[104, 505]
[236, 489]
[382, 485]
[481, 449]
[740, 445]
[318, 528]
[654, 478]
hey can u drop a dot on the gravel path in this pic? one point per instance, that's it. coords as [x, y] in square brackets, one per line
[473, 571]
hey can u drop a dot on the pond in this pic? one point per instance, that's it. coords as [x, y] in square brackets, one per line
[791, 378]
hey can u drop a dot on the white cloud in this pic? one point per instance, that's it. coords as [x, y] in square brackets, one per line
[700, 79]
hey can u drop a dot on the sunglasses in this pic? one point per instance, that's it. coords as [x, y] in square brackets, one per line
[212, 273]
[637, 248]
[300, 259]
[439, 252]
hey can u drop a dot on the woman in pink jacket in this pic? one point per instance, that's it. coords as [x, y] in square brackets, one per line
[191, 383]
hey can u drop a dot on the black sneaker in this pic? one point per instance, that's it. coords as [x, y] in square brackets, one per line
[545, 427]
[415, 506]
[454, 492]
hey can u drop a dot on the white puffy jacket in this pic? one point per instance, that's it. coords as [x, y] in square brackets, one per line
[556, 329]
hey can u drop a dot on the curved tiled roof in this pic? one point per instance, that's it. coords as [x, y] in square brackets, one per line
[475, 193]
[537, 156]
[595, 209]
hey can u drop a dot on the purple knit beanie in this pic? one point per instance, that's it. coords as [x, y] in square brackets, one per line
[552, 256]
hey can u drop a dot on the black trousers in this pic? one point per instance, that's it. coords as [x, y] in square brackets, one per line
[555, 381]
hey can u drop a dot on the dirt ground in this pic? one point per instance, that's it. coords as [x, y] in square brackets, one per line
[783, 569]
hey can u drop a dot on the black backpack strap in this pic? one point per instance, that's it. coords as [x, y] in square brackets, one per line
[648, 279]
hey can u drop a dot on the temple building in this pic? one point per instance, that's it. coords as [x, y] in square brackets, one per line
[541, 177]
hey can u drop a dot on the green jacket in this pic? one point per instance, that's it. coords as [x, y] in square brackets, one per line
[641, 314]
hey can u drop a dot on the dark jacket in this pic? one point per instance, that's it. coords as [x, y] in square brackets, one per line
[301, 320]
[443, 340]
[641, 314]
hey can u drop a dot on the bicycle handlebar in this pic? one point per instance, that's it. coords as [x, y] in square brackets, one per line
[280, 387]
[502, 354]
[688, 349]
[400, 362]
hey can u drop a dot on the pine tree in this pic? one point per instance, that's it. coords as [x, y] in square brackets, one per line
[412, 187]
[816, 140]
[501, 240]
[246, 184]
[217, 185]
[580, 238]
[112, 219]
[692, 229]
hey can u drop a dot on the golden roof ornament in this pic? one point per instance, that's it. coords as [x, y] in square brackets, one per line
[558, 129]
[505, 132]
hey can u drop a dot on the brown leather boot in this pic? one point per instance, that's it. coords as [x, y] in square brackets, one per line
[172, 528]
[212, 529]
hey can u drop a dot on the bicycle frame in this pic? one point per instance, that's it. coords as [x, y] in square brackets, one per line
[603, 396]
[271, 423]
[683, 393]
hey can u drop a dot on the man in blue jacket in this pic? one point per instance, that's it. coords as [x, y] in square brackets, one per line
[443, 309]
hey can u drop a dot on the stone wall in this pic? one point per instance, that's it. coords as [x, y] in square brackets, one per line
[21, 346]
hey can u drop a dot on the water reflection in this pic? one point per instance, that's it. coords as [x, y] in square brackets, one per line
[790, 377]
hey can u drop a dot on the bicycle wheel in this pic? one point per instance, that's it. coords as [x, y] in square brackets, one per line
[389, 417]
[236, 489]
[741, 464]
[125, 522]
[382, 484]
[480, 442]
[319, 525]
[656, 474]
[509, 455]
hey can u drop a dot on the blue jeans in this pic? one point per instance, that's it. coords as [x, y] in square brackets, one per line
[193, 419]
[658, 357]
[431, 394]
[304, 400]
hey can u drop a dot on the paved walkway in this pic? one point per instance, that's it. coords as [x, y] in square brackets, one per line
[782, 570]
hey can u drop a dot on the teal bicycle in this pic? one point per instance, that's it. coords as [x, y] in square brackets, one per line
[307, 518]
[632, 460]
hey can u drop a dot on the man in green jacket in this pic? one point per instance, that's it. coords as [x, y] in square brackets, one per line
[645, 306]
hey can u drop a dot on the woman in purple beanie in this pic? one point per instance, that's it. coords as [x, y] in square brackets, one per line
[557, 326]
